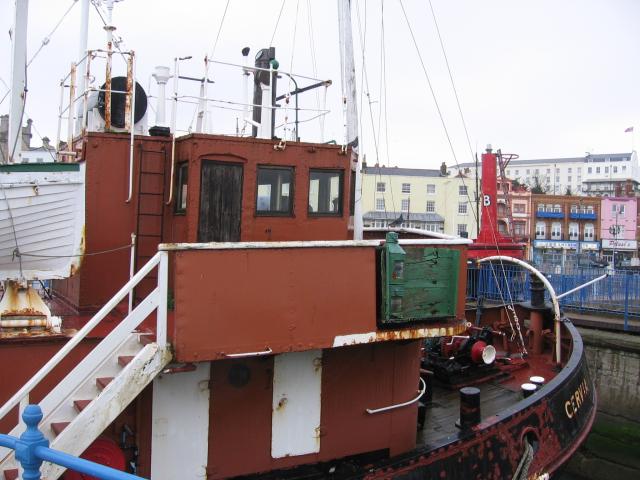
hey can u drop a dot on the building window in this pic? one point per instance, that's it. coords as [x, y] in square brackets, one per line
[181, 189]
[462, 228]
[518, 228]
[540, 207]
[431, 189]
[624, 168]
[589, 170]
[606, 169]
[406, 188]
[528, 171]
[431, 206]
[548, 171]
[573, 231]
[537, 171]
[325, 192]
[519, 208]
[569, 170]
[380, 204]
[432, 227]
[590, 209]
[569, 179]
[557, 179]
[540, 230]
[615, 169]
[405, 205]
[597, 169]
[574, 208]
[557, 208]
[557, 171]
[381, 187]
[617, 209]
[579, 170]
[275, 191]
[588, 231]
[517, 172]
[556, 231]
[462, 190]
[462, 208]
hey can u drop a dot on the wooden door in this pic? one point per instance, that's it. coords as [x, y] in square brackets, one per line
[220, 202]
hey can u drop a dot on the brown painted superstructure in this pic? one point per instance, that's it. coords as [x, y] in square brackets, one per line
[259, 300]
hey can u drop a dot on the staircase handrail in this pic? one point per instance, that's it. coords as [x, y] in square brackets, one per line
[160, 260]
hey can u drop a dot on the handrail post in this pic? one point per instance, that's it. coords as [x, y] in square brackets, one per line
[163, 281]
[29, 440]
[626, 300]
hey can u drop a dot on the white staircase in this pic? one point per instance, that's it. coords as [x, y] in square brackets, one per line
[99, 388]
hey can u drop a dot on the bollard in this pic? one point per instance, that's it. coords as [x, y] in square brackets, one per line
[528, 389]
[537, 292]
[469, 407]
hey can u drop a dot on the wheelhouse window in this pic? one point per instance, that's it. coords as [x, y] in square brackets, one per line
[275, 191]
[325, 192]
[181, 188]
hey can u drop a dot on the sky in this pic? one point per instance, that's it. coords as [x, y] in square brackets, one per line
[542, 79]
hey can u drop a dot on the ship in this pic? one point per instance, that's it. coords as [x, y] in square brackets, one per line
[216, 310]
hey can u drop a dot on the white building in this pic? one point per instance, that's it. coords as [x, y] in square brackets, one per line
[586, 175]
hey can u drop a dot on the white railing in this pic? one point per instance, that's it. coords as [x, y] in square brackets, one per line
[156, 300]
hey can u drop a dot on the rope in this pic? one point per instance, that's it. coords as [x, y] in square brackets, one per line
[522, 472]
[101, 252]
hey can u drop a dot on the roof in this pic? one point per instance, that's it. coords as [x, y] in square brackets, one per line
[421, 217]
[595, 156]
[609, 180]
[403, 172]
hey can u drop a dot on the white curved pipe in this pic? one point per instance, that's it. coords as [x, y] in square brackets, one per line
[547, 284]
[398, 405]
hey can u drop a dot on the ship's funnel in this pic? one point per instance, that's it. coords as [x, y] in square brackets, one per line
[264, 83]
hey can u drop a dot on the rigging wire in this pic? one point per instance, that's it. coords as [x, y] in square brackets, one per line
[466, 131]
[314, 66]
[215, 43]
[446, 131]
[277, 23]
[44, 43]
[47, 38]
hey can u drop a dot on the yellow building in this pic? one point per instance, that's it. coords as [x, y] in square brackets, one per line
[425, 199]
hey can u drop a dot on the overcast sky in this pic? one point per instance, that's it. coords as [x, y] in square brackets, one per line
[545, 78]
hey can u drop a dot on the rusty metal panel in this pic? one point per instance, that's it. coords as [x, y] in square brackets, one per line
[295, 421]
[229, 302]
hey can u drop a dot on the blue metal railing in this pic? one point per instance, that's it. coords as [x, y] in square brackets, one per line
[32, 448]
[617, 294]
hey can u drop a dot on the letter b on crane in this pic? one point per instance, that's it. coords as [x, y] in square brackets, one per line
[486, 200]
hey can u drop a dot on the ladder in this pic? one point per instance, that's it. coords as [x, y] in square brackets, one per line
[149, 213]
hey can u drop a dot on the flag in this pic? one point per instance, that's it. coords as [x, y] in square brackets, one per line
[630, 129]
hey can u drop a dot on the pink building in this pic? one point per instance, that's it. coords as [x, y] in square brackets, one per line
[618, 228]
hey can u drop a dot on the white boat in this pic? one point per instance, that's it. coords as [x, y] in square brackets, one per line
[41, 220]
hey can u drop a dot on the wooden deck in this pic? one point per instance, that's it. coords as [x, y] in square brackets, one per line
[444, 411]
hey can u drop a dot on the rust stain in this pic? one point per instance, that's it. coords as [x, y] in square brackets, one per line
[281, 404]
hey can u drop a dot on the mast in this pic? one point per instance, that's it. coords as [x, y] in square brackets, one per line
[83, 41]
[18, 80]
[348, 71]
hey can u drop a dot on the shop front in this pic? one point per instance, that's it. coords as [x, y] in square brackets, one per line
[556, 256]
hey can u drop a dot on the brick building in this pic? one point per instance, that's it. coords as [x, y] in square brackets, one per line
[564, 230]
